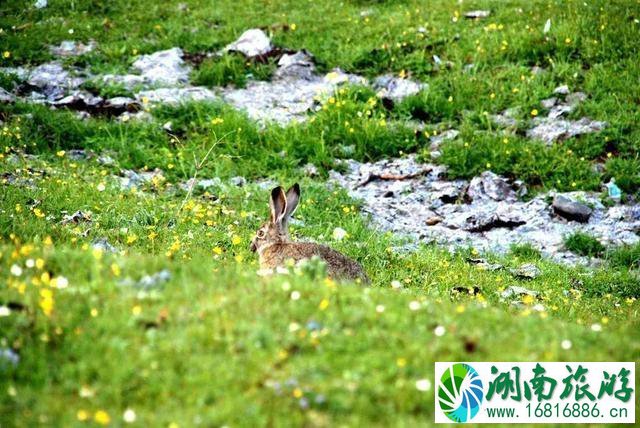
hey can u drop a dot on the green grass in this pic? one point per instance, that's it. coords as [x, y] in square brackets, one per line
[220, 345]
[584, 245]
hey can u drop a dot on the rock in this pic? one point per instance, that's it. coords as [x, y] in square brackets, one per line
[106, 160]
[69, 48]
[395, 88]
[296, 66]
[251, 43]
[79, 100]
[490, 186]
[128, 81]
[164, 67]
[477, 14]
[118, 105]
[549, 102]
[517, 291]
[551, 129]
[176, 95]
[77, 217]
[6, 96]
[561, 90]
[575, 98]
[507, 118]
[433, 220]
[570, 209]
[103, 245]
[40, 4]
[53, 80]
[339, 77]
[77, 154]
[483, 219]
[148, 282]
[447, 135]
[310, 170]
[238, 181]
[526, 271]
[560, 110]
[132, 179]
[8, 357]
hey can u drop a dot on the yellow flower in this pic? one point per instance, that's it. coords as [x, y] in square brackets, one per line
[152, 235]
[460, 309]
[131, 239]
[235, 240]
[6, 54]
[527, 300]
[297, 393]
[60, 153]
[46, 301]
[401, 362]
[82, 415]
[136, 310]
[534, 112]
[293, 27]
[217, 250]
[102, 417]
[115, 269]
[217, 121]
[324, 304]
[567, 40]
[239, 258]
[48, 241]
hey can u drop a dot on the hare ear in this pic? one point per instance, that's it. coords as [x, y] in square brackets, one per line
[277, 204]
[293, 197]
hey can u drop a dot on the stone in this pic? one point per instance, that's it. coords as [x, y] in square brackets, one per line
[118, 105]
[79, 100]
[163, 67]
[552, 129]
[69, 48]
[251, 43]
[128, 81]
[561, 90]
[299, 65]
[477, 14]
[517, 291]
[77, 217]
[103, 245]
[507, 118]
[395, 88]
[549, 102]
[176, 95]
[438, 139]
[489, 185]
[526, 271]
[571, 209]
[53, 80]
[6, 96]
[148, 282]
[238, 181]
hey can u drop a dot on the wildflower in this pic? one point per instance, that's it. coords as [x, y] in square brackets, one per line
[16, 270]
[235, 240]
[94, 312]
[217, 251]
[395, 284]
[131, 239]
[136, 310]
[60, 282]
[102, 417]
[101, 187]
[339, 234]
[293, 27]
[380, 309]
[60, 153]
[82, 415]
[217, 121]
[596, 327]
[534, 112]
[295, 295]
[4, 311]
[439, 331]
[401, 362]
[46, 301]
[566, 344]
[423, 385]
[324, 304]
[567, 41]
[6, 54]
[129, 416]
[414, 305]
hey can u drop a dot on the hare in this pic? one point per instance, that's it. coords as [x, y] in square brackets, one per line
[274, 247]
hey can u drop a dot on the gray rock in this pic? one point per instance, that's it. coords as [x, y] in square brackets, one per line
[552, 129]
[105, 160]
[176, 95]
[477, 14]
[310, 170]
[133, 179]
[104, 245]
[53, 80]
[395, 88]
[490, 186]
[517, 291]
[6, 96]
[251, 43]
[571, 209]
[561, 90]
[507, 118]
[549, 102]
[164, 67]
[128, 81]
[296, 66]
[438, 139]
[69, 48]
[121, 104]
[148, 282]
[77, 217]
[238, 181]
[526, 271]
[79, 100]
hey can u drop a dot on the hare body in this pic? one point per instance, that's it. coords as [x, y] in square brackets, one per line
[274, 247]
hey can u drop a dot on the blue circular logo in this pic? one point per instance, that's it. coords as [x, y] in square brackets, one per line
[460, 392]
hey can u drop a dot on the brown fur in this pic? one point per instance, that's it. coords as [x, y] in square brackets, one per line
[274, 246]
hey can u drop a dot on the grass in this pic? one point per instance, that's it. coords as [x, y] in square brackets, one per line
[218, 344]
[584, 245]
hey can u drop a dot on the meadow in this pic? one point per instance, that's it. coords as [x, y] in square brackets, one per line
[167, 321]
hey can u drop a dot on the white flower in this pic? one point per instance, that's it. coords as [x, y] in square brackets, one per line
[16, 270]
[282, 270]
[129, 416]
[396, 284]
[101, 187]
[423, 385]
[293, 327]
[30, 263]
[414, 305]
[439, 330]
[4, 311]
[60, 282]
[566, 344]
[380, 309]
[596, 327]
[295, 295]
[339, 234]
[265, 272]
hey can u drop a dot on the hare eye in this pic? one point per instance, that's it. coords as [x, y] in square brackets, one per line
[260, 233]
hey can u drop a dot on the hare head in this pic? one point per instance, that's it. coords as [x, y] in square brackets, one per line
[275, 231]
